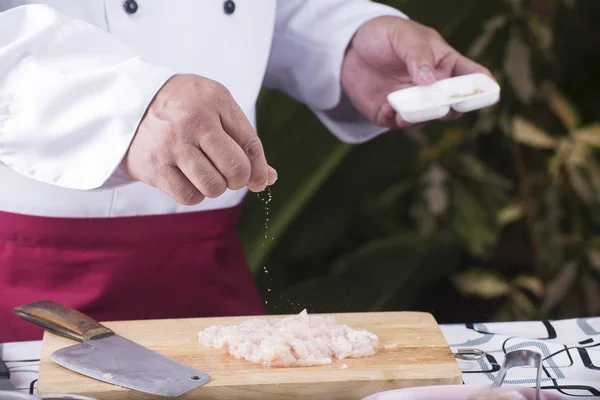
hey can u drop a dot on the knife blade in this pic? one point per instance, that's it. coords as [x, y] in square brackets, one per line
[5, 383]
[108, 357]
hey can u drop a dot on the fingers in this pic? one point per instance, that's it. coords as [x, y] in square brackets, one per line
[201, 173]
[195, 142]
[402, 124]
[227, 157]
[173, 182]
[463, 66]
[411, 42]
[420, 62]
[399, 123]
[388, 117]
[238, 127]
[240, 130]
[452, 115]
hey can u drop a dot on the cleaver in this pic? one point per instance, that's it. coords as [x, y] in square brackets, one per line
[108, 357]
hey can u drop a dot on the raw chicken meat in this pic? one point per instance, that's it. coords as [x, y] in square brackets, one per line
[295, 341]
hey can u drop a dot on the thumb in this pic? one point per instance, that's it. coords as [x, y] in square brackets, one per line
[272, 177]
[420, 62]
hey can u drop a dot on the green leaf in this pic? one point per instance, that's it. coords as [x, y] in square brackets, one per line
[563, 109]
[579, 184]
[543, 32]
[289, 132]
[527, 133]
[517, 6]
[517, 66]
[471, 222]
[319, 231]
[487, 120]
[522, 308]
[364, 279]
[560, 286]
[593, 253]
[446, 19]
[296, 200]
[531, 283]
[558, 159]
[490, 28]
[392, 195]
[589, 135]
[510, 214]
[392, 270]
[482, 283]
[289, 143]
[578, 154]
[477, 170]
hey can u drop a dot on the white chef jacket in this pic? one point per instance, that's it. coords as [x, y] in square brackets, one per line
[77, 75]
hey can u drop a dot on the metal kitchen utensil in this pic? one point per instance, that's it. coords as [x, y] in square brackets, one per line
[521, 358]
[108, 357]
[469, 354]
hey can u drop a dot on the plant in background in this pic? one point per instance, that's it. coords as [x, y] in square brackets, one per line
[557, 173]
[513, 189]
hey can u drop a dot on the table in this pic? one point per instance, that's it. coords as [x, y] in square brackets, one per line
[571, 351]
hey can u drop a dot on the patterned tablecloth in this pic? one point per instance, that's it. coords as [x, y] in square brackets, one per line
[571, 351]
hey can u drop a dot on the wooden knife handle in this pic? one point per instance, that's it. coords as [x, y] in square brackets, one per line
[62, 320]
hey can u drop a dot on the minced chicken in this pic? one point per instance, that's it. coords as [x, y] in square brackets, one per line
[295, 341]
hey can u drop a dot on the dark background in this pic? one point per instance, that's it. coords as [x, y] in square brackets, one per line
[492, 217]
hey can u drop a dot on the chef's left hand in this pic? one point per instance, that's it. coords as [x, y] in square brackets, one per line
[391, 53]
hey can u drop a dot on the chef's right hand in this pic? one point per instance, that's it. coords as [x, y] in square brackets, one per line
[195, 142]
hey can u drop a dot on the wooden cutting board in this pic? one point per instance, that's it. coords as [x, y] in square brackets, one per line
[422, 357]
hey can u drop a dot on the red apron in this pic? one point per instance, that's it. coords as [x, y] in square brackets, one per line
[166, 266]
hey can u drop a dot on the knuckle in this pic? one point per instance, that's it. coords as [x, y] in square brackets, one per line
[214, 186]
[184, 194]
[432, 33]
[189, 197]
[152, 159]
[215, 90]
[210, 137]
[161, 176]
[189, 121]
[239, 171]
[253, 149]
[168, 135]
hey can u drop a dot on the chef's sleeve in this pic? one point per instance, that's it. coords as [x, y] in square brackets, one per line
[71, 98]
[310, 40]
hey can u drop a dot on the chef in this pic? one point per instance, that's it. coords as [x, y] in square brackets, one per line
[127, 138]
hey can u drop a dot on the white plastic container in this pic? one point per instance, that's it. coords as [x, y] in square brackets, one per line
[462, 93]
